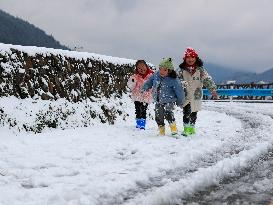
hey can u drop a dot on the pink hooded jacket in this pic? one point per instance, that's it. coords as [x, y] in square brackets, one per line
[135, 84]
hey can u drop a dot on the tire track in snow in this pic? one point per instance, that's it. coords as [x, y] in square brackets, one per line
[250, 134]
[253, 185]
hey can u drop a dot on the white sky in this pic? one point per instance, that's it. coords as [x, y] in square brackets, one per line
[232, 33]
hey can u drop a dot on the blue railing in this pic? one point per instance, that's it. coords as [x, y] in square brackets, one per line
[241, 92]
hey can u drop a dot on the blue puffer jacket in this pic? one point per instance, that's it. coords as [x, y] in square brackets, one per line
[165, 89]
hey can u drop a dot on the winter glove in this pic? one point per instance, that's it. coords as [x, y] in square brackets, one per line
[131, 83]
[214, 94]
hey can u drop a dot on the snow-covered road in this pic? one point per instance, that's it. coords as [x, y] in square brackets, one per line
[254, 184]
[118, 164]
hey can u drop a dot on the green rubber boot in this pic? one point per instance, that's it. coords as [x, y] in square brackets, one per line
[187, 131]
[192, 130]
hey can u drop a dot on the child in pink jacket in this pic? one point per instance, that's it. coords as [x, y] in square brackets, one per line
[140, 98]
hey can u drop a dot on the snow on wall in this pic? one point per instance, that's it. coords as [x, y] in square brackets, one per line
[52, 74]
[37, 115]
[72, 84]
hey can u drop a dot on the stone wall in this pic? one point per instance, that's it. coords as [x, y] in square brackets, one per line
[92, 84]
[53, 75]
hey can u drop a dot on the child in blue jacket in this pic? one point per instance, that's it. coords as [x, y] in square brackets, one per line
[167, 90]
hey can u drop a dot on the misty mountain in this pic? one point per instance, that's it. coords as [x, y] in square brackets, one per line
[266, 76]
[16, 31]
[223, 74]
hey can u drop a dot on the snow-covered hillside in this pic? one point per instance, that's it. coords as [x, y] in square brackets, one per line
[38, 115]
[117, 164]
[80, 146]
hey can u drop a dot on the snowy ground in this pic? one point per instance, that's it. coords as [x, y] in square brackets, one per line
[117, 164]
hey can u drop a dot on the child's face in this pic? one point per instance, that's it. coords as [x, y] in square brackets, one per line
[141, 68]
[190, 60]
[163, 72]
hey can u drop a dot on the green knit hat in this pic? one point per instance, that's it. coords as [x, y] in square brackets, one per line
[166, 63]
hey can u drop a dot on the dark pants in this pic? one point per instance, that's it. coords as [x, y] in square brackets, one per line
[189, 117]
[141, 109]
[164, 111]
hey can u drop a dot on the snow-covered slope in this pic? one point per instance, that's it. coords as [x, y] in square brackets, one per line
[117, 164]
[38, 115]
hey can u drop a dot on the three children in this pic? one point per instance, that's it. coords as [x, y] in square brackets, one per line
[165, 86]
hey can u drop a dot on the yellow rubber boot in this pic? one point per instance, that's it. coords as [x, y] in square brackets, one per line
[161, 129]
[173, 129]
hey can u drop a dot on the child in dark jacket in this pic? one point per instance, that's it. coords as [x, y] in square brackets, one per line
[167, 90]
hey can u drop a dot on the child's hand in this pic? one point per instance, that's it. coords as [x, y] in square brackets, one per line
[185, 84]
[214, 94]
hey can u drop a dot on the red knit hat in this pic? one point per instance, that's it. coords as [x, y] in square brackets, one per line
[190, 52]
